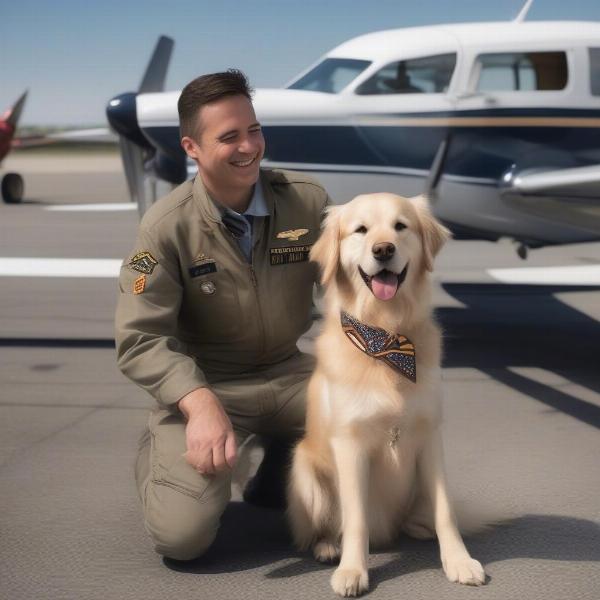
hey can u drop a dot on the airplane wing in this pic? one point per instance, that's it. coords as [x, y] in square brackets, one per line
[97, 135]
[579, 181]
[569, 196]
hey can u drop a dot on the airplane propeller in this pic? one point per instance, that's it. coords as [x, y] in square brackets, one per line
[141, 160]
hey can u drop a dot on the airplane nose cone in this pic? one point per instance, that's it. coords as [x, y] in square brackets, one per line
[121, 113]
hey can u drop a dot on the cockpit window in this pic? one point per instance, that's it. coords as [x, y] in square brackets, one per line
[331, 76]
[427, 75]
[522, 71]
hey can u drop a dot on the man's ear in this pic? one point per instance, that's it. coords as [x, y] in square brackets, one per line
[433, 233]
[326, 251]
[189, 147]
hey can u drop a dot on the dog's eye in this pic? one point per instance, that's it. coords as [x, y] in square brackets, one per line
[361, 229]
[399, 226]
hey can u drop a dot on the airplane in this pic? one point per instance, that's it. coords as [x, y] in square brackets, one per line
[12, 186]
[12, 183]
[498, 123]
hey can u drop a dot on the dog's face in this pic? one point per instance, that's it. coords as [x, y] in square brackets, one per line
[381, 241]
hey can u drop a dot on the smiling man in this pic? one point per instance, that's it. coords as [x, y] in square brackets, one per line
[213, 299]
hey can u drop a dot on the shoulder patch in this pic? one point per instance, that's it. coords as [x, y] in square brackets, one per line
[139, 285]
[143, 262]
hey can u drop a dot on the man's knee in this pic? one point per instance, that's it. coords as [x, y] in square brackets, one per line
[182, 542]
[181, 526]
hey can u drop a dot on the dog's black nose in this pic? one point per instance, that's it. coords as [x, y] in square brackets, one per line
[383, 251]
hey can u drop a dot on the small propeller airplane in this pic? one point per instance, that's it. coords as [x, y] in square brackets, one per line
[499, 123]
[12, 185]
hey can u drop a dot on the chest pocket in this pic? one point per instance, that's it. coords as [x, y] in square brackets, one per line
[210, 311]
[291, 267]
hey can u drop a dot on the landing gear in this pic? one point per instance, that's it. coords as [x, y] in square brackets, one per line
[12, 188]
[522, 251]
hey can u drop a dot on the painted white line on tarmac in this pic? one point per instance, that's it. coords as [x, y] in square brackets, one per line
[108, 206]
[574, 275]
[60, 267]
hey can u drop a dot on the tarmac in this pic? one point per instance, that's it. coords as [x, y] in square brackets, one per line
[521, 431]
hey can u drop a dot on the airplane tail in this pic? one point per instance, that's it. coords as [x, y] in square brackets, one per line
[14, 114]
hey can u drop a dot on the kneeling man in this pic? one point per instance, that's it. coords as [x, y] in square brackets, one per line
[213, 299]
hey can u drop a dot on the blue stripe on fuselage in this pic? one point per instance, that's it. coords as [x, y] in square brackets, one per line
[475, 150]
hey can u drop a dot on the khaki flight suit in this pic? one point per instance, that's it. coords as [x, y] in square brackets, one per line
[193, 313]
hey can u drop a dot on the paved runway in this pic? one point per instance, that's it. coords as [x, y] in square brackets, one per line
[522, 424]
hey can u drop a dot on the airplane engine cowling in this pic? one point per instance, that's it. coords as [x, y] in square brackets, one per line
[121, 113]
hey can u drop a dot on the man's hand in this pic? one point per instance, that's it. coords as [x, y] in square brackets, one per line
[209, 434]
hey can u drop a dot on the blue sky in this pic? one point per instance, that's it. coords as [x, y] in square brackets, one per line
[74, 56]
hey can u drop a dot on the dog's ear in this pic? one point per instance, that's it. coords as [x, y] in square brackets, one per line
[433, 233]
[326, 250]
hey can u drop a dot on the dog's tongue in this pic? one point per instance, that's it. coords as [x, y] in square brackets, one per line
[384, 285]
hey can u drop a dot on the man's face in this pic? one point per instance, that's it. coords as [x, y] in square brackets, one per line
[229, 144]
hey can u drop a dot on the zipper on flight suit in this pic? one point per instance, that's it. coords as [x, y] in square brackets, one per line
[260, 319]
[254, 281]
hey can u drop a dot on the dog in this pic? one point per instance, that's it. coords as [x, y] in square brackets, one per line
[370, 464]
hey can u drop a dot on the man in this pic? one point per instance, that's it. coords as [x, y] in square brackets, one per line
[212, 301]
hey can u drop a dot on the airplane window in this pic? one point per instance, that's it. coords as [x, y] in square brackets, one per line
[522, 72]
[595, 70]
[427, 75]
[331, 76]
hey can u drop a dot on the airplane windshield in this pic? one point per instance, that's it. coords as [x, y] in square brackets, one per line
[331, 76]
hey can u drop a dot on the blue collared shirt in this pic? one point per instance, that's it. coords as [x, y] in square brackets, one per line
[241, 224]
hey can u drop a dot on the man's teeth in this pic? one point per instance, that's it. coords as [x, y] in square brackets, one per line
[244, 163]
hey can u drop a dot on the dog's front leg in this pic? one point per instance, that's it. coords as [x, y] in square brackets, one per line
[351, 577]
[458, 564]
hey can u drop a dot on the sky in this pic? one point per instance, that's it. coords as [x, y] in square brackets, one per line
[74, 56]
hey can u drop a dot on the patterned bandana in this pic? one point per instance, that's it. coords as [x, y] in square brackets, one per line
[395, 350]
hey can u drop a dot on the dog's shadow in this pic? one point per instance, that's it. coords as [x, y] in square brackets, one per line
[251, 538]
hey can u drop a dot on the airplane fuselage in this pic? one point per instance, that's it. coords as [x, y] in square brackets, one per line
[472, 114]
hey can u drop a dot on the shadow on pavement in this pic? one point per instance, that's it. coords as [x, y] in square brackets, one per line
[250, 538]
[507, 326]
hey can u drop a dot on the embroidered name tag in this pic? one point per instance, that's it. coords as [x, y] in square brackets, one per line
[289, 254]
[203, 269]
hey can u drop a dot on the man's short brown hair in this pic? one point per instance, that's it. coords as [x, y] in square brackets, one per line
[206, 89]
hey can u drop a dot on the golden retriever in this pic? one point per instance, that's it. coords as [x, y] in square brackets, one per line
[370, 464]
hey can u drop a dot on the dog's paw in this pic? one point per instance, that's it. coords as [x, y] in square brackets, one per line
[325, 551]
[350, 582]
[465, 570]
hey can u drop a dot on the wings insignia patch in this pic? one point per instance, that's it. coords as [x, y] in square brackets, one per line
[293, 234]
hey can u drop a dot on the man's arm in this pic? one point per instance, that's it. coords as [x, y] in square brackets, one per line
[148, 350]
[151, 355]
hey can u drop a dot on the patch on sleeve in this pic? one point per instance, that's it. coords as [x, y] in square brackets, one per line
[289, 254]
[143, 262]
[139, 284]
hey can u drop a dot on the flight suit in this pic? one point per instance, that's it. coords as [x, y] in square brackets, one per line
[192, 312]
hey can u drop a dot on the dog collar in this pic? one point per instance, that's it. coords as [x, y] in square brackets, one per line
[395, 350]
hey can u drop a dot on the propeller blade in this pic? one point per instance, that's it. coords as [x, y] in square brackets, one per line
[156, 71]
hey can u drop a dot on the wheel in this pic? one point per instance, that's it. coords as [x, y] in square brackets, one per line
[12, 188]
